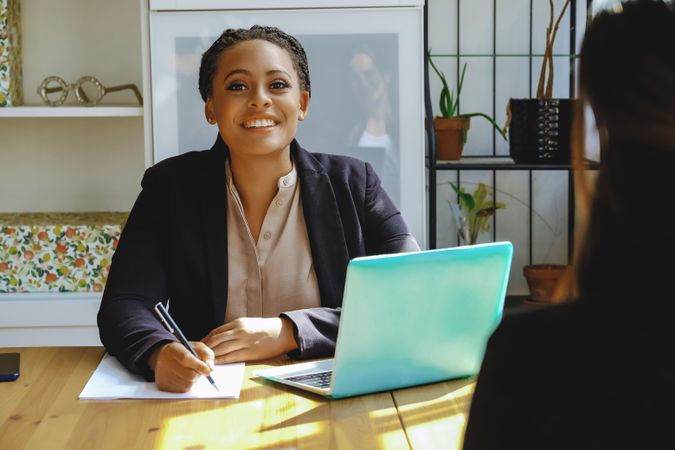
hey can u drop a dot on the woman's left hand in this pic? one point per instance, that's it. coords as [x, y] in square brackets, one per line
[251, 338]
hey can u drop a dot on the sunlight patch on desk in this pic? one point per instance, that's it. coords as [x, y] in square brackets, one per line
[200, 429]
[360, 422]
[452, 403]
[235, 425]
[271, 416]
[388, 427]
[290, 419]
[442, 414]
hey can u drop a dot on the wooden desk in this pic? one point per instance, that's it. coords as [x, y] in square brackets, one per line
[41, 411]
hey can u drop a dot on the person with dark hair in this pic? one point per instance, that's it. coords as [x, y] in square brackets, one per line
[594, 372]
[248, 242]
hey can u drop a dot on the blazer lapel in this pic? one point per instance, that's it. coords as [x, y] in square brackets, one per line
[324, 226]
[214, 210]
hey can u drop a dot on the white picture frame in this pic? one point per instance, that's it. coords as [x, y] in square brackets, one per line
[392, 37]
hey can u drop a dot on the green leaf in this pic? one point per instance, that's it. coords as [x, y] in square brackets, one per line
[443, 103]
[488, 118]
[448, 110]
[459, 88]
[450, 105]
[480, 194]
[465, 199]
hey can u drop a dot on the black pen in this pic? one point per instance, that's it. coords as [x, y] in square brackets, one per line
[171, 326]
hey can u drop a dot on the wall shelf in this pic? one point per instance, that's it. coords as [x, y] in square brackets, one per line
[500, 55]
[35, 111]
[496, 163]
[503, 163]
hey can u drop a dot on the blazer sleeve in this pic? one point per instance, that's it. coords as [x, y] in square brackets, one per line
[383, 231]
[315, 331]
[127, 325]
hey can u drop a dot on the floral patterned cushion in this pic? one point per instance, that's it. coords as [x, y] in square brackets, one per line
[57, 252]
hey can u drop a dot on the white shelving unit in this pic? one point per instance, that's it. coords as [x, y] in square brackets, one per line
[71, 158]
[71, 111]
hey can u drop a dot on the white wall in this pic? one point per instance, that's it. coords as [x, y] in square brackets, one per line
[75, 164]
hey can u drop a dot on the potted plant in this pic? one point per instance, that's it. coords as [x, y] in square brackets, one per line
[539, 128]
[542, 280]
[471, 215]
[451, 126]
[473, 212]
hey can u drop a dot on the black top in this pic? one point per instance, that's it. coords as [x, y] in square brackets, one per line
[576, 376]
[174, 245]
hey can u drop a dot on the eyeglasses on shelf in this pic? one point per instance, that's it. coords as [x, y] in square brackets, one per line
[88, 90]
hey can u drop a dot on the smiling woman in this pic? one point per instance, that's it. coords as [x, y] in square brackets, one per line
[257, 100]
[261, 230]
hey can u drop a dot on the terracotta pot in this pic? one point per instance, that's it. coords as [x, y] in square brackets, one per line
[450, 137]
[542, 280]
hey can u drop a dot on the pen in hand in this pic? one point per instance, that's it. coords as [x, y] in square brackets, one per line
[171, 326]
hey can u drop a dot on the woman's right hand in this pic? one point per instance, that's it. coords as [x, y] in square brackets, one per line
[176, 369]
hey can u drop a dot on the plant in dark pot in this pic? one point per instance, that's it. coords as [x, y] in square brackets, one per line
[539, 128]
[451, 126]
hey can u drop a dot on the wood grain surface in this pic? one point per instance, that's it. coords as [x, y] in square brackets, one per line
[41, 411]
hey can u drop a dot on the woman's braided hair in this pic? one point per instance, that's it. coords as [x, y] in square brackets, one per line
[231, 36]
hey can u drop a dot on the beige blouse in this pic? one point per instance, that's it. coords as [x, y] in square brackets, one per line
[276, 274]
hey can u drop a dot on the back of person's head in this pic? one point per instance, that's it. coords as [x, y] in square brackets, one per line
[627, 78]
[627, 71]
[233, 36]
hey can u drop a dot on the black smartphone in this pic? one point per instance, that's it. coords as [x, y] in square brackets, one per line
[9, 366]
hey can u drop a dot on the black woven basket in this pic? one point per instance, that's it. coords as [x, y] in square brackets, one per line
[540, 130]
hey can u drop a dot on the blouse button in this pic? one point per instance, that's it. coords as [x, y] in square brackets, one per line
[267, 235]
[284, 181]
[279, 202]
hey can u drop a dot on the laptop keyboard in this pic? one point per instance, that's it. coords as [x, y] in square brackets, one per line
[319, 380]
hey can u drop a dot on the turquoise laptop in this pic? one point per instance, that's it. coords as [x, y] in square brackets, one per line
[410, 319]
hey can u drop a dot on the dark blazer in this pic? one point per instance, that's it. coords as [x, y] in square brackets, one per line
[174, 246]
[581, 375]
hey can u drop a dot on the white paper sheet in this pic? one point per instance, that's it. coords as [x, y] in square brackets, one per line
[111, 380]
